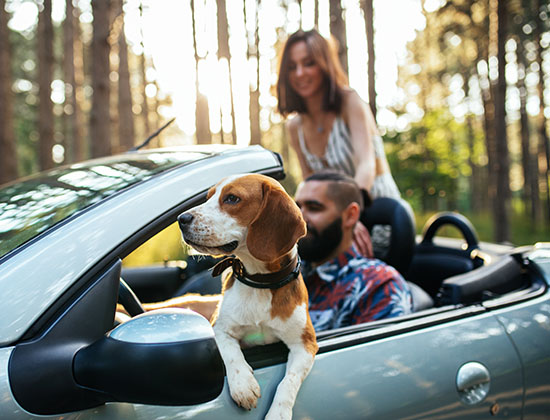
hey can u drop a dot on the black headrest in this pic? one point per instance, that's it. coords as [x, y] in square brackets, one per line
[399, 215]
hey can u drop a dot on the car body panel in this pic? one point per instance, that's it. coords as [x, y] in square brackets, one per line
[44, 269]
[528, 324]
[401, 369]
[377, 379]
[10, 410]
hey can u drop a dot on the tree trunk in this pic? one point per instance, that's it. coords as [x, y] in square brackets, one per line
[8, 155]
[254, 101]
[543, 144]
[369, 26]
[72, 69]
[100, 119]
[488, 100]
[502, 202]
[223, 52]
[144, 99]
[532, 204]
[45, 77]
[476, 177]
[338, 30]
[316, 13]
[202, 114]
[125, 114]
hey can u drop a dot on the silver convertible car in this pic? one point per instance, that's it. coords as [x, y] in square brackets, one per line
[477, 345]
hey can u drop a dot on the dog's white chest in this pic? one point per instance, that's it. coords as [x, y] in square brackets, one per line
[246, 306]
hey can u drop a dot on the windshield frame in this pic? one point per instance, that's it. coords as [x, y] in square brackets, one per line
[173, 159]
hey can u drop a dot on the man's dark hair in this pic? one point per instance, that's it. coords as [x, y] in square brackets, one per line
[342, 189]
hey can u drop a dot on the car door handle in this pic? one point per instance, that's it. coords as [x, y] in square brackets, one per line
[473, 382]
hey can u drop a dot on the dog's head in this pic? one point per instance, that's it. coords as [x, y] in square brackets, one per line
[244, 215]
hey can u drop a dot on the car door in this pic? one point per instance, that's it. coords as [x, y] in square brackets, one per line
[463, 368]
[405, 371]
[406, 368]
[446, 362]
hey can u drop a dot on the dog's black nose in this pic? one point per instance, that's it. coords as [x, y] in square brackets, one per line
[184, 219]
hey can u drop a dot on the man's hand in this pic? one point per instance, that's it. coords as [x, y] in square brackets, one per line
[362, 241]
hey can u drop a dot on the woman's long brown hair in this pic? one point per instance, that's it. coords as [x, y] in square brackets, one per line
[324, 53]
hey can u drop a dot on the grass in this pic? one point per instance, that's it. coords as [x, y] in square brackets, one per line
[521, 229]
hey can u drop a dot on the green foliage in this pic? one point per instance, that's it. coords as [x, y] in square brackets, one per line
[522, 230]
[25, 104]
[167, 245]
[430, 161]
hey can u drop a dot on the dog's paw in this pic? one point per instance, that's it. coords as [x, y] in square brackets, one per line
[245, 390]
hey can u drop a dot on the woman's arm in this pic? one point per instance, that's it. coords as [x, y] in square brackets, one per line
[362, 127]
[292, 131]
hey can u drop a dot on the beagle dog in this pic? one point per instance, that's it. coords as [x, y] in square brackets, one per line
[252, 217]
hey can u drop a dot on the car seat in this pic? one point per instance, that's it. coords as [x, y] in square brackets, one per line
[398, 215]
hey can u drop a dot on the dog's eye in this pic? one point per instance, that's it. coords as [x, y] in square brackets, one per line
[231, 199]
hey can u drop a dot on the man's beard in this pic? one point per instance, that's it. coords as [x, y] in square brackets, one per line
[317, 246]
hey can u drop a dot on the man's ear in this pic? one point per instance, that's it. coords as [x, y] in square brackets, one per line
[351, 215]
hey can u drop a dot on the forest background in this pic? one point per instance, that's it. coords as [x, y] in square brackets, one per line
[464, 118]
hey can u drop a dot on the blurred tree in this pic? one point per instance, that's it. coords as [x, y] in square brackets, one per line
[368, 13]
[541, 9]
[45, 78]
[125, 115]
[338, 31]
[144, 99]
[202, 114]
[522, 18]
[100, 119]
[253, 58]
[224, 55]
[316, 13]
[72, 69]
[142, 67]
[502, 204]
[8, 157]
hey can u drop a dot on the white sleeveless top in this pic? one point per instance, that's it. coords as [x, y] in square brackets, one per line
[339, 156]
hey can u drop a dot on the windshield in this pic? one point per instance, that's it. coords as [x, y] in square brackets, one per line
[35, 204]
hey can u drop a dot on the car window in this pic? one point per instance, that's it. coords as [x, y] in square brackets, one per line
[33, 205]
[163, 248]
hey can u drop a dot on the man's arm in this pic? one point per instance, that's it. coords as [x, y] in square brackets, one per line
[386, 296]
[203, 304]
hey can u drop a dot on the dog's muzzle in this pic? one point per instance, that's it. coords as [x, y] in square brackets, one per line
[184, 221]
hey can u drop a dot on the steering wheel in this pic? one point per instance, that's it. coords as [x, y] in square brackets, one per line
[128, 299]
[432, 263]
[454, 219]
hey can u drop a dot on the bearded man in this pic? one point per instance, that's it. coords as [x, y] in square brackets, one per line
[344, 287]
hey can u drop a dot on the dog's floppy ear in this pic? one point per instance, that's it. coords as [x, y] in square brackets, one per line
[278, 225]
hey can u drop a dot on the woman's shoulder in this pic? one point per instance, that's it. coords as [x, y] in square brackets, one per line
[292, 124]
[353, 106]
[351, 98]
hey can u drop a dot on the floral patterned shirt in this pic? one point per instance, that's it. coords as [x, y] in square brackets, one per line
[352, 289]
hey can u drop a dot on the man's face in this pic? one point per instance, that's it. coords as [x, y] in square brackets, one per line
[324, 221]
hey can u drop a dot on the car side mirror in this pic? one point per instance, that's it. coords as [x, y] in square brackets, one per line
[79, 361]
[162, 357]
